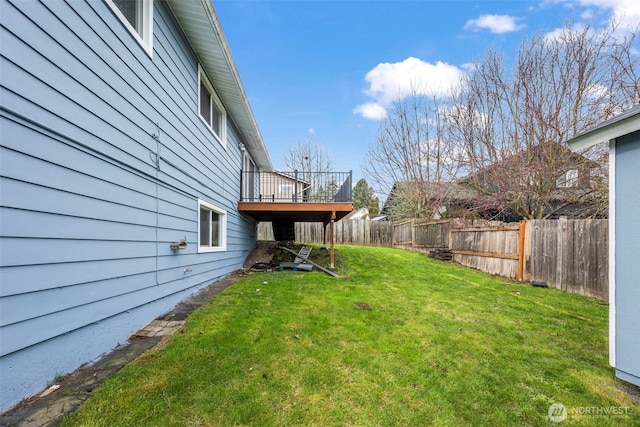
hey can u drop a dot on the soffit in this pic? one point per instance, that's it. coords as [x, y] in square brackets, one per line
[622, 124]
[200, 24]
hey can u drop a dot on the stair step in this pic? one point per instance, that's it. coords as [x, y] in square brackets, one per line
[305, 251]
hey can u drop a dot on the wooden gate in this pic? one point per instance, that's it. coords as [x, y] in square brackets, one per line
[572, 255]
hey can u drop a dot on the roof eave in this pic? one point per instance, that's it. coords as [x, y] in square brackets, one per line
[201, 26]
[623, 124]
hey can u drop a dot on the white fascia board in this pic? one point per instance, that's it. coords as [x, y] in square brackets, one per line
[623, 124]
[203, 31]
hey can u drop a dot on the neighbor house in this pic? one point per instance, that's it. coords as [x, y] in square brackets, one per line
[623, 136]
[124, 127]
[547, 180]
[434, 200]
[283, 187]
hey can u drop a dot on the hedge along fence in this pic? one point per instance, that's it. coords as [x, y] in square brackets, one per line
[571, 255]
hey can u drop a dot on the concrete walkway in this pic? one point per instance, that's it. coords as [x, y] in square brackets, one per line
[51, 405]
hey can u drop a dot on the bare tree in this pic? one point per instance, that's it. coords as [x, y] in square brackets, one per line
[311, 163]
[514, 126]
[307, 157]
[411, 157]
[497, 145]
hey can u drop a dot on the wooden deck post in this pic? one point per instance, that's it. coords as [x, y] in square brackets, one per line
[331, 232]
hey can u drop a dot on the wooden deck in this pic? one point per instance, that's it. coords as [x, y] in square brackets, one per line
[296, 211]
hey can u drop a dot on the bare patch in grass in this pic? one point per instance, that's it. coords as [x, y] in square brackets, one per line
[362, 305]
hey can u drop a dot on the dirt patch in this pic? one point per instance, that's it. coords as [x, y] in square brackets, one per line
[262, 253]
[268, 255]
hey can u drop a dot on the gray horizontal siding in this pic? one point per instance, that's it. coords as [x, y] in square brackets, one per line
[86, 216]
[627, 289]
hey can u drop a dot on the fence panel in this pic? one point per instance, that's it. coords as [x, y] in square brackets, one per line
[490, 249]
[347, 232]
[572, 255]
[403, 234]
[432, 235]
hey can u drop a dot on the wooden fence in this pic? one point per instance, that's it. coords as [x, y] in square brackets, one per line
[492, 249]
[346, 232]
[571, 255]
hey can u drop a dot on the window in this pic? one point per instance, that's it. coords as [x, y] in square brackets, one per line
[212, 228]
[211, 110]
[568, 179]
[137, 16]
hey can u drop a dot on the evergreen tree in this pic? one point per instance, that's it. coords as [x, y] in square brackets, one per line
[362, 194]
[374, 207]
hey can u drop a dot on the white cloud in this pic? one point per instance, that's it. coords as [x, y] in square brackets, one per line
[626, 10]
[371, 110]
[587, 15]
[497, 24]
[389, 82]
[311, 131]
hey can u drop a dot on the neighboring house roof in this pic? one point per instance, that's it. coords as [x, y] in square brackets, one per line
[622, 124]
[286, 175]
[199, 22]
[477, 191]
[362, 213]
[537, 156]
[450, 191]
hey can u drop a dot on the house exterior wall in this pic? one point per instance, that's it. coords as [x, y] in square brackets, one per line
[627, 271]
[279, 187]
[103, 159]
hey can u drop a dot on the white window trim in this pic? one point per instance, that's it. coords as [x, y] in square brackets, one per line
[202, 78]
[569, 179]
[146, 38]
[223, 228]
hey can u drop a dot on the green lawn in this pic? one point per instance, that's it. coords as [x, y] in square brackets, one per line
[398, 340]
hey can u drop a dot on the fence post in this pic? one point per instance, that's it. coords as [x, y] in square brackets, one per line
[413, 234]
[562, 253]
[521, 251]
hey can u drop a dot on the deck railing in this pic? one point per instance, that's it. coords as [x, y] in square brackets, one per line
[296, 186]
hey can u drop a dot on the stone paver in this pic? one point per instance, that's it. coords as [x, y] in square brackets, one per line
[160, 328]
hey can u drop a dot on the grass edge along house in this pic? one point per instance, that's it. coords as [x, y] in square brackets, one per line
[124, 127]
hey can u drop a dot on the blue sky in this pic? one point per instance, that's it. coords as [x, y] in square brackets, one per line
[326, 71]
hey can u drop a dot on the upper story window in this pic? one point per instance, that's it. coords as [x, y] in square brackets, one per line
[568, 179]
[137, 16]
[211, 110]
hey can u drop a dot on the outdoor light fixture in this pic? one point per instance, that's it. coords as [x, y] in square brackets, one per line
[180, 244]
